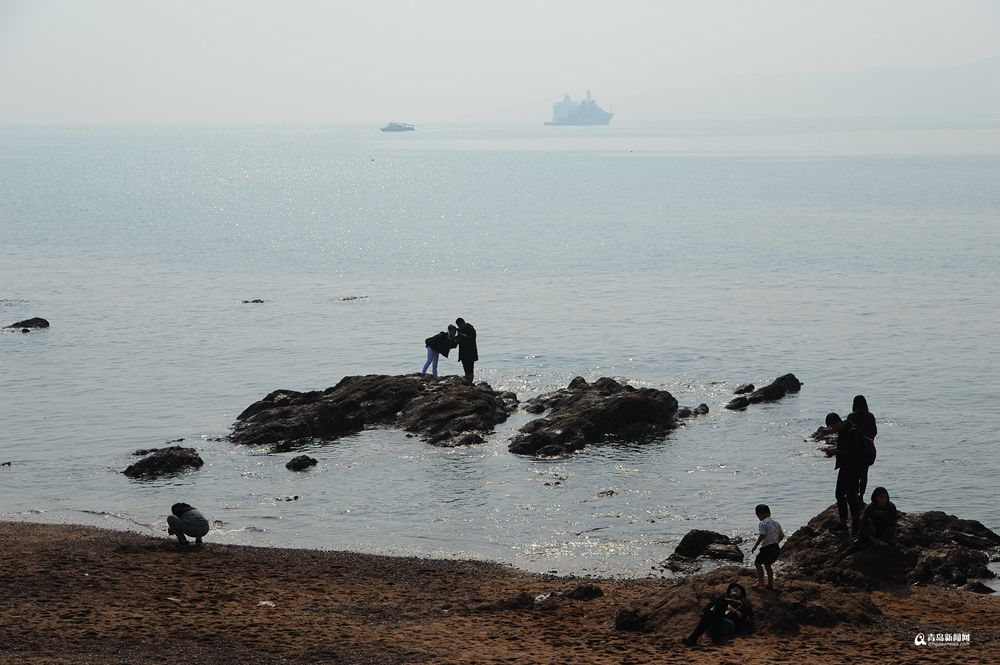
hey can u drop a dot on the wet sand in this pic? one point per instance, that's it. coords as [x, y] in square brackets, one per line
[73, 594]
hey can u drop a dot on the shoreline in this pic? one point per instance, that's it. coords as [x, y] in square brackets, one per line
[79, 594]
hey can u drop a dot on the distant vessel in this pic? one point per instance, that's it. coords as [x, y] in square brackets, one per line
[399, 127]
[587, 112]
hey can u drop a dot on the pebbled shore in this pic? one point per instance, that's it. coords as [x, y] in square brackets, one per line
[74, 594]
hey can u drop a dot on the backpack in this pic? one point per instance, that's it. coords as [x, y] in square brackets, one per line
[869, 450]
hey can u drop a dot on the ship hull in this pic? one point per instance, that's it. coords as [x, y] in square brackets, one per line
[579, 123]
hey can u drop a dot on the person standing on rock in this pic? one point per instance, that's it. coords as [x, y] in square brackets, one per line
[437, 346]
[864, 420]
[850, 459]
[186, 521]
[468, 352]
[770, 535]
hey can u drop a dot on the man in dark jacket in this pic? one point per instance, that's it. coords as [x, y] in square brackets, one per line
[468, 352]
[850, 459]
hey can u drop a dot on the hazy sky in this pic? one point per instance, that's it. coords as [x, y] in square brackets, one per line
[309, 62]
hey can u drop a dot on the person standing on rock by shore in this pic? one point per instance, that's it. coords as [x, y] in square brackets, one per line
[724, 616]
[770, 535]
[468, 352]
[850, 458]
[864, 420]
[186, 520]
[439, 345]
[878, 521]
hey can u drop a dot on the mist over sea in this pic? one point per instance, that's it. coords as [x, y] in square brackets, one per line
[694, 260]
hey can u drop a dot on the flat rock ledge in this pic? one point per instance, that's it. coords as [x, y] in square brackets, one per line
[784, 384]
[162, 461]
[931, 548]
[444, 412]
[585, 413]
[676, 609]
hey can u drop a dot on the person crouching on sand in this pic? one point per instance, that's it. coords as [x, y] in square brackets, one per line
[439, 345]
[724, 616]
[878, 521]
[186, 521]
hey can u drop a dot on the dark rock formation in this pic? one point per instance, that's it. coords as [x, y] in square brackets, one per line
[441, 411]
[688, 412]
[675, 610]
[979, 587]
[255, 301]
[585, 592]
[30, 323]
[930, 548]
[744, 389]
[300, 463]
[587, 413]
[784, 384]
[165, 460]
[699, 545]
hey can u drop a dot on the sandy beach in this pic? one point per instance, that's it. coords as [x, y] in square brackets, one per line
[74, 594]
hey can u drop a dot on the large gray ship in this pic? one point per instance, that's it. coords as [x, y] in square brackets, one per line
[586, 112]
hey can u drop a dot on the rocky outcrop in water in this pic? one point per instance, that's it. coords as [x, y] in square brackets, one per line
[699, 545]
[30, 323]
[586, 413]
[161, 461]
[784, 384]
[931, 548]
[442, 411]
[300, 463]
[676, 609]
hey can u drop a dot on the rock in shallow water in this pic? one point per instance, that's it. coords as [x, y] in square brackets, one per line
[30, 323]
[586, 413]
[440, 410]
[784, 384]
[163, 461]
[300, 463]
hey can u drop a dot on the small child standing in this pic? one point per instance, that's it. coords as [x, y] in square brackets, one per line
[770, 535]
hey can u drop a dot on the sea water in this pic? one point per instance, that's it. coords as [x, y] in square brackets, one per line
[691, 260]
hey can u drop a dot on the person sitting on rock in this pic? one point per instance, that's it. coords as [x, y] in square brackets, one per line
[186, 521]
[724, 616]
[878, 521]
[439, 345]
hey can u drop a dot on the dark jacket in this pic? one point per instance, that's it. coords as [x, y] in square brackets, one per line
[441, 343]
[880, 523]
[467, 349]
[850, 448]
[865, 422]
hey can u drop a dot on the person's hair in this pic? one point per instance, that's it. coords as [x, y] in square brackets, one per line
[460, 321]
[451, 327]
[832, 418]
[878, 491]
[179, 509]
[736, 585]
[860, 404]
[762, 509]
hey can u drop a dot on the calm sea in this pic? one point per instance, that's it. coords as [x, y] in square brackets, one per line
[695, 260]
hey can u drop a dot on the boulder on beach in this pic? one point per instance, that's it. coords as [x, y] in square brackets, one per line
[930, 548]
[162, 461]
[676, 609]
[784, 384]
[30, 323]
[586, 413]
[440, 410]
[699, 545]
[300, 463]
